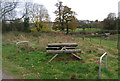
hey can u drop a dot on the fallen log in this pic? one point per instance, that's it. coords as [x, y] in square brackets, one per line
[21, 42]
[62, 44]
[63, 51]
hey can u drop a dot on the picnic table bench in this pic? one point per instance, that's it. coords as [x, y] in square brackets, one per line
[60, 48]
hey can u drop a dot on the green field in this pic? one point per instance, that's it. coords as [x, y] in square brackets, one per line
[29, 61]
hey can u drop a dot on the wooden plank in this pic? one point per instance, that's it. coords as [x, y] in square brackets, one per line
[63, 51]
[62, 44]
[69, 47]
[58, 48]
[53, 48]
[76, 56]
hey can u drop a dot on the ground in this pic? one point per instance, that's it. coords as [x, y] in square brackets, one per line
[29, 61]
[5, 76]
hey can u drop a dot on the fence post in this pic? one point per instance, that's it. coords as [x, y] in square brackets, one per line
[106, 60]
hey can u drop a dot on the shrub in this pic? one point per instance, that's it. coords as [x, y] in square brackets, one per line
[40, 27]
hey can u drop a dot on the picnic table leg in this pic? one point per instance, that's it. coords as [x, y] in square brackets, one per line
[76, 56]
[52, 58]
[73, 54]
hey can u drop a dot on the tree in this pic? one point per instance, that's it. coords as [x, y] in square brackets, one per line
[11, 20]
[118, 24]
[7, 7]
[26, 24]
[26, 18]
[111, 16]
[7, 12]
[110, 22]
[40, 27]
[58, 13]
[95, 24]
[38, 15]
[65, 18]
[83, 25]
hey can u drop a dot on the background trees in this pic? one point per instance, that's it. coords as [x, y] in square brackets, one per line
[7, 14]
[110, 23]
[22, 16]
[33, 15]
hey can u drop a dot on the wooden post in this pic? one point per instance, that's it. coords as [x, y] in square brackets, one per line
[54, 57]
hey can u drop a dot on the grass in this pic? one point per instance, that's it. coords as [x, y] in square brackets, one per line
[88, 29]
[29, 62]
[117, 34]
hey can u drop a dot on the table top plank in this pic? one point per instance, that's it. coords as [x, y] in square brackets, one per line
[63, 51]
[62, 44]
[58, 48]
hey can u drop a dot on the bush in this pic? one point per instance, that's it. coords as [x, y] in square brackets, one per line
[40, 27]
[15, 25]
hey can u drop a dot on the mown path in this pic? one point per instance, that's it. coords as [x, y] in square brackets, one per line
[5, 76]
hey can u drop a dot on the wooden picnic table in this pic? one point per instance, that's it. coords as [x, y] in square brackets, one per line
[60, 48]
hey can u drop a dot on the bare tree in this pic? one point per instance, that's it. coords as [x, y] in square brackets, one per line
[38, 13]
[7, 7]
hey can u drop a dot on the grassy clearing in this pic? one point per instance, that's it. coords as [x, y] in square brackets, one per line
[29, 62]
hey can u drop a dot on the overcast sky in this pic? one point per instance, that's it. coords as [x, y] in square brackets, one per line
[86, 9]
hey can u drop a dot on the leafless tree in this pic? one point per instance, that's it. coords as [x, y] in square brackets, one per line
[38, 13]
[7, 7]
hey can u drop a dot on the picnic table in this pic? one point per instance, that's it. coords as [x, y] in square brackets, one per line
[60, 48]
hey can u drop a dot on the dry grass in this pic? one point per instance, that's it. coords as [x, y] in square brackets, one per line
[40, 41]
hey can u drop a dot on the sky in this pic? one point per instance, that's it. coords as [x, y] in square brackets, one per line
[85, 9]
[119, 6]
[119, 9]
